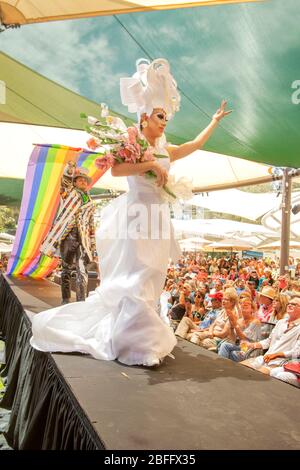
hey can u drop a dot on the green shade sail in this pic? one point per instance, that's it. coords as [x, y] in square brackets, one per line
[246, 53]
[34, 99]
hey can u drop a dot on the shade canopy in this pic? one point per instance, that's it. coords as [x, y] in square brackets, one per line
[244, 52]
[219, 228]
[236, 202]
[37, 11]
[272, 220]
[16, 146]
[33, 99]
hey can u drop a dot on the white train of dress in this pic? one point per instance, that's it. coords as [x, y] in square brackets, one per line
[119, 320]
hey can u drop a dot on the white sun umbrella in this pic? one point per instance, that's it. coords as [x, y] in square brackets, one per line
[230, 244]
[277, 244]
[196, 240]
[5, 248]
[6, 237]
[193, 243]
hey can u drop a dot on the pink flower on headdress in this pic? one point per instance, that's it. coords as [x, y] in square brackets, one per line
[132, 134]
[105, 162]
[92, 143]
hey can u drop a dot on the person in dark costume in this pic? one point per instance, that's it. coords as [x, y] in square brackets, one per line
[72, 236]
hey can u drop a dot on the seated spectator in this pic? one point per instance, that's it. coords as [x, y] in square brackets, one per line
[282, 344]
[175, 292]
[188, 308]
[221, 328]
[240, 286]
[266, 279]
[282, 283]
[287, 373]
[179, 310]
[246, 293]
[198, 309]
[265, 300]
[187, 327]
[233, 275]
[252, 288]
[247, 328]
[202, 274]
[217, 286]
[253, 277]
[165, 301]
[279, 310]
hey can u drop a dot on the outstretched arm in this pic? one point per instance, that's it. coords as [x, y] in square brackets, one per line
[180, 151]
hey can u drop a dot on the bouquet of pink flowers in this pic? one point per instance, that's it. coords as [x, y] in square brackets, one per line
[118, 143]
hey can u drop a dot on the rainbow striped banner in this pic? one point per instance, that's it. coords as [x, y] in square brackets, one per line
[39, 205]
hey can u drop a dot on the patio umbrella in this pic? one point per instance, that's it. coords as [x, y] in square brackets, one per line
[277, 244]
[5, 248]
[193, 243]
[230, 244]
[6, 236]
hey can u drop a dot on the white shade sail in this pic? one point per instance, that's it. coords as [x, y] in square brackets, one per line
[16, 142]
[272, 220]
[219, 228]
[236, 202]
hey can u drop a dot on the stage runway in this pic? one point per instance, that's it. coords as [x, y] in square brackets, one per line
[195, 401]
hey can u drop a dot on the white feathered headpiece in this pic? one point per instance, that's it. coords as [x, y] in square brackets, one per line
[152, 86]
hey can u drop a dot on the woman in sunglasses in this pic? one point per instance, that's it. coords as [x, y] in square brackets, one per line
[120, 320]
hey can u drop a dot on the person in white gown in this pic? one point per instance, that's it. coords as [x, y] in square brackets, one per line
[119, 320]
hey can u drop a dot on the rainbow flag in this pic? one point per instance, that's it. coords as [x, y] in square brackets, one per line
[40, 203]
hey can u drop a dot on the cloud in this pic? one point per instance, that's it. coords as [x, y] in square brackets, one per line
[77, 55]
[212, 50]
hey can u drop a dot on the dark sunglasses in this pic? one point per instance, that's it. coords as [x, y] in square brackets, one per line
[162, 117]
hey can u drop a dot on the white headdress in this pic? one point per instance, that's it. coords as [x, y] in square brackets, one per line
[152, 86]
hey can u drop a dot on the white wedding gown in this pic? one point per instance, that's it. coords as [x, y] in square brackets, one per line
[119, 320]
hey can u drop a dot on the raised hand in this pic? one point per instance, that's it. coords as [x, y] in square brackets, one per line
[161, 174]
[221, 112]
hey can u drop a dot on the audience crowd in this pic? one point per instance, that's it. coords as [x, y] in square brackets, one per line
[240, 308]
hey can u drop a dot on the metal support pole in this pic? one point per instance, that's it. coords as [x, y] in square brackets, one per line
[285, 221]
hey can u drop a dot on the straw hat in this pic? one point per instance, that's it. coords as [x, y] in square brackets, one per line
[269, 292]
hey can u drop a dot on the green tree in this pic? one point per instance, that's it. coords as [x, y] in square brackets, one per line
[8, 219]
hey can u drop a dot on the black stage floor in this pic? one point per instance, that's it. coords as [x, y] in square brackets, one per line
[195, 401]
